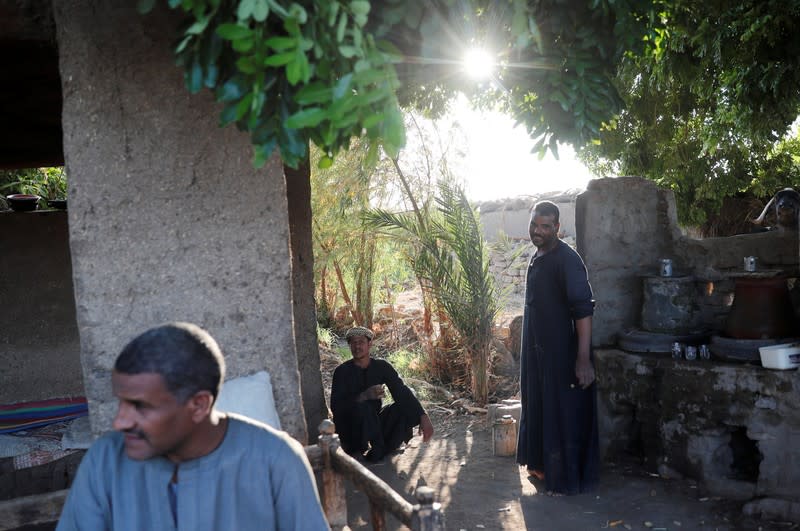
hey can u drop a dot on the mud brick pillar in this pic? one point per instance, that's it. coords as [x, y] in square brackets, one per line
[168, 219]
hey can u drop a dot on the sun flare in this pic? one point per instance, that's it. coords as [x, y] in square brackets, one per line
[478, 63]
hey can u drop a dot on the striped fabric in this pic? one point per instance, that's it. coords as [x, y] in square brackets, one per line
[27, 415]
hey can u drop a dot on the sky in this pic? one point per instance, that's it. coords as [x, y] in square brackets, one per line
[498, 162]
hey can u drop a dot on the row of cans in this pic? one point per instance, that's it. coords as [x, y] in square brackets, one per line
[665, 265]
[690, 352]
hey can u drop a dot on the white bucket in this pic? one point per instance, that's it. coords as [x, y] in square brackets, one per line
[784, 356]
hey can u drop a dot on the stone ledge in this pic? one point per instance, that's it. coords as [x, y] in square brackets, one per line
[731, 426]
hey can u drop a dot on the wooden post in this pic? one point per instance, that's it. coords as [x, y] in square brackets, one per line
[374, 487]
[427, 513]
[377, 515]
[334, 502]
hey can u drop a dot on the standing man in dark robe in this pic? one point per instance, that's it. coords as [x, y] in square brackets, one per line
[558, 440]
[356, 399]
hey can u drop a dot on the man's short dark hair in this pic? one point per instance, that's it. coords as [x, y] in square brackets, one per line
[185, 355]
[546, 208]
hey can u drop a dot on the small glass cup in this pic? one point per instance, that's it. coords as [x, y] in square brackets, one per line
[677, 351]
[665, 269]
[691, 352]
[704, 352]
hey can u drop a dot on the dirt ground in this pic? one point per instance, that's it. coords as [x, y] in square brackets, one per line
[478, 490]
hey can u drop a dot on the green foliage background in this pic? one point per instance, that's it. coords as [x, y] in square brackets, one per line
[708, 108]
[48, 183]
[697, 96]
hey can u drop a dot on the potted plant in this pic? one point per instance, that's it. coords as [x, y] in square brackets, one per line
[47, 183]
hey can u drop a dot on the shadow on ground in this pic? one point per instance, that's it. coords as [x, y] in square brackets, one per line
[481, 491]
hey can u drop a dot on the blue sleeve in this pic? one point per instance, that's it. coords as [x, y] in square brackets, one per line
[87, 507]
[294, 491]
[579, 292]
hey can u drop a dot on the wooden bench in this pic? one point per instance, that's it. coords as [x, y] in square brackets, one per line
[326, 457]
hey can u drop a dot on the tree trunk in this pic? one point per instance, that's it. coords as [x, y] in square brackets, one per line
[298, 196]
[366, 269]
[478, 356]
[357, 318]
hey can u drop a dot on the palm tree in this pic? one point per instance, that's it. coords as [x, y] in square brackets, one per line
[451, 258]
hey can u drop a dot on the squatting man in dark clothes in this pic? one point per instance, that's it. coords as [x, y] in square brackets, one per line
[356, 393]
[557, 439]
[175, 462]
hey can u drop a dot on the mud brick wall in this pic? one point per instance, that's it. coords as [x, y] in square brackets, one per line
[733, 427]
[626, 225]
[508, 263]
[39, 343]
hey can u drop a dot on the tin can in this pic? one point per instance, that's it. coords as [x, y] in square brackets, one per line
[704, 352]
[691, 352]
[677, 350]
[666, 267]
[504, 436]
[750, 263]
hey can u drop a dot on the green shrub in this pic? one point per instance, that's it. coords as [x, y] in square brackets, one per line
[408, 363]
[344, 352]
[48, 183]
[325, 336]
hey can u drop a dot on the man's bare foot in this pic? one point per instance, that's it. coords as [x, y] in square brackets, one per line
[538, 474]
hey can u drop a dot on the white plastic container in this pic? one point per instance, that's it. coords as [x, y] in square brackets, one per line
[783, 356]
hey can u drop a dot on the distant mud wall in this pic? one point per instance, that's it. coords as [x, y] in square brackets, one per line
[510, 218]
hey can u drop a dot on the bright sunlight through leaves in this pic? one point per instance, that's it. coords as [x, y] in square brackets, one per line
[478, 63]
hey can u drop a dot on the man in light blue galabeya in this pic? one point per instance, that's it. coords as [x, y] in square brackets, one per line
[175, 462]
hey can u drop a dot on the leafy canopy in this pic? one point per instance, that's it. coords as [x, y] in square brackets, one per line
[708, 108]
[329, 70]
[288, 76]
[694, 95]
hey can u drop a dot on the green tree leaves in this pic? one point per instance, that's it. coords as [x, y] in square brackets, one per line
[709, 99]
[325, 71]
[287, 77]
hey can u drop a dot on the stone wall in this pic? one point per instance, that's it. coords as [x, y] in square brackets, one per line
[39, 343]
[626, 225]
[734, 427]
[508, 263]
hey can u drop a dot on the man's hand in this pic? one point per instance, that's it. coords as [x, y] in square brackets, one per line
[425, 428]
[374, 392]
[584, 372]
